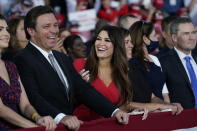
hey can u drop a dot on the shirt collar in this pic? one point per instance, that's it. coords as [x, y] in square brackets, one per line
[45, 53]
[181, 54]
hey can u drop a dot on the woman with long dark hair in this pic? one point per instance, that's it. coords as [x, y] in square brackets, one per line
[145, 71]
[106, 69]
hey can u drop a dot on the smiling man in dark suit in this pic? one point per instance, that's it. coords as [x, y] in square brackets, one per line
[179, 65]
[51, 82]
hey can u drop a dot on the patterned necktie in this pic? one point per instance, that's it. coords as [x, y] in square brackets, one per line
[55, 67]
[192, 76]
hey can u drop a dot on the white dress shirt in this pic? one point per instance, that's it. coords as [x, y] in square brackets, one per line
[182, 56]
[60, 116]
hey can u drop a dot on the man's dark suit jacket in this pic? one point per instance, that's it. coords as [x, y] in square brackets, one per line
[46, 91]
[177, 81]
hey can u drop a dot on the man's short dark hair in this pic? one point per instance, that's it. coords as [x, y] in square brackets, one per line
[32, 15]
[174, 26]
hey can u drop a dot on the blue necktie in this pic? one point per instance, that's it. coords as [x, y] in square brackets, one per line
[192, 77]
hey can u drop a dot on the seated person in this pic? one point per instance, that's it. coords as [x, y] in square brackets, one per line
[75, 47]
[144, 71]
[13, 98]
[106, 69]
[51, 82]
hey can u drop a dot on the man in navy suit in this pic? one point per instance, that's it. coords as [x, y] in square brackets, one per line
[179, 65]
[52, 84]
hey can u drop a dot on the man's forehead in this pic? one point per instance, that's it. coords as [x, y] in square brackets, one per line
[46, 18]
[186, 27]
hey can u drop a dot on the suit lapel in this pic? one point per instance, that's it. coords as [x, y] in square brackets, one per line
[62, 64]
[65, 70]
[39, 56]
[195, 57]
[177, 62]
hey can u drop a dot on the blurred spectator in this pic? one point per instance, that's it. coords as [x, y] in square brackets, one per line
[127, 42]
[81, 5]
[18, 39]
[123, 8]
[172, 6]
[192, 7]
[41, 2]
[127, 20]
[5, 6]
[24, 6]
[157, 19]
[135, 10]
[63, 34]
[74, 47]
[107, 12]
[60, 8]
[166, 43]
[60, 17]
[13, 13]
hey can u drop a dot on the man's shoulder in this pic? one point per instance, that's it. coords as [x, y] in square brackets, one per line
[62, 56]
[59, 54]
[20, 53]
[167, 56]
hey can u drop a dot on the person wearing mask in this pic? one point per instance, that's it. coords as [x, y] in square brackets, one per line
[144, 69]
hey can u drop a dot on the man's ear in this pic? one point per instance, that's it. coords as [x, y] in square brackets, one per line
[31, 31]
[146, 40]
[174, 38]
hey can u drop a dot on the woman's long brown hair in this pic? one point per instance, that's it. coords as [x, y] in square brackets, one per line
[119, 64]
[137, 31]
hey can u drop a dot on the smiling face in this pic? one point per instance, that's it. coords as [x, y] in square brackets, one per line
[45, 34]
[128, 46]
[103, 46]
[4, 35]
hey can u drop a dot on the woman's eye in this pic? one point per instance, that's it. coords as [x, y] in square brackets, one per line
[108, 40]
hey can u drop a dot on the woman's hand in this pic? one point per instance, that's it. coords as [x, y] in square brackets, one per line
[85, 75]
[143, 111]
[178, 108]
[46, 121]
[175, 107]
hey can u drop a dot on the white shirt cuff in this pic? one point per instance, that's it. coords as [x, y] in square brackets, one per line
[59, 117]
[112, 115]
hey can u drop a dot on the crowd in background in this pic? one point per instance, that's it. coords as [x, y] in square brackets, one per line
[110, 10]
